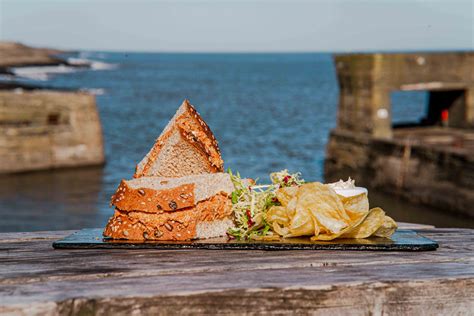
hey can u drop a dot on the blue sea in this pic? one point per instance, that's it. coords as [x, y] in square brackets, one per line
[268, 112]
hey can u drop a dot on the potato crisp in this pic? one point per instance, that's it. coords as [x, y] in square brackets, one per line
[315, 209]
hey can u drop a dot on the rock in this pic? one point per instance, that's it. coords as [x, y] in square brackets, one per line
[19, 55]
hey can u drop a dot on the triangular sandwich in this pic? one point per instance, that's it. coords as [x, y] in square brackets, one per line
[186, 146]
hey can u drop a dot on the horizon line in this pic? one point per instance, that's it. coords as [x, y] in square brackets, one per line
[367, 51]
[328, 51]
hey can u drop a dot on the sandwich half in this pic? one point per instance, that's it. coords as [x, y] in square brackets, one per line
[156, 208]
[186, 146]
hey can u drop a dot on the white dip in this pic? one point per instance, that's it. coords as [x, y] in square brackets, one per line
[347, 188]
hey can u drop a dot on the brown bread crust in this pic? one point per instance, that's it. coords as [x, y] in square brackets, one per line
[178, 225]
[194, 130]
[152, 201]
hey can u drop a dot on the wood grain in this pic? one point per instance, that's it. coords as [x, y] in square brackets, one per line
[36, 279]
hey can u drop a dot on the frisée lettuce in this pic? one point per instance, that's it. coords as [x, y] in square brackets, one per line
[251, 201]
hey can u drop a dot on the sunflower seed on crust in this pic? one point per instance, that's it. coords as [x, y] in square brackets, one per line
[168, 227]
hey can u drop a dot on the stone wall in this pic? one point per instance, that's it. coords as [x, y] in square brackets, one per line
[48, 129]
[439, 177]
[366, 81]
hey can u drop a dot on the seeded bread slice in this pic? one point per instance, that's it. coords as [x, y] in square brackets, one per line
[209, 218]
[186, 146]
[155, 194]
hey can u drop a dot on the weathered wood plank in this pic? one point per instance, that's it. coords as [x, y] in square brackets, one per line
[403, 225]
[34, 278]
[17, 262]
[29, 236]
[404, 298]
[18, 259]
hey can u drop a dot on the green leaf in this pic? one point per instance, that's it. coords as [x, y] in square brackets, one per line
[235, 197]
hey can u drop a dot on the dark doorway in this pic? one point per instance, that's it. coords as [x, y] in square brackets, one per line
[451, 102]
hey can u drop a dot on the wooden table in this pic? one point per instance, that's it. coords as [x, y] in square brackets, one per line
[36, 279]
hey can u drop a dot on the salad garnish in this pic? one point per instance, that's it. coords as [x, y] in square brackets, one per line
[251, 201]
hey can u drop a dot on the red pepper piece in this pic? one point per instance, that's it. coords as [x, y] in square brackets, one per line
[250, 222]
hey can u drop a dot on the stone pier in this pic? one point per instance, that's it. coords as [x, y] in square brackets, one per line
[431, 162]
[48, 129]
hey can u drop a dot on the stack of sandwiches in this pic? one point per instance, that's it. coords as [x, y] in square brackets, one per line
[179, 190]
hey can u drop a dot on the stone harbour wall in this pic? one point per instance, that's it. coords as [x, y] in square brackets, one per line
[48, 129]
[441, 178]
[367, 80]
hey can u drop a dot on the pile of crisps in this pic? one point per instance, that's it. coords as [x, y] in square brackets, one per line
[315, 209]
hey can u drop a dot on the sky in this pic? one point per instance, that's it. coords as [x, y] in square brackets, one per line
[240, 26]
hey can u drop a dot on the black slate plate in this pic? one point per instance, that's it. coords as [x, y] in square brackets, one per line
[402, 240]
